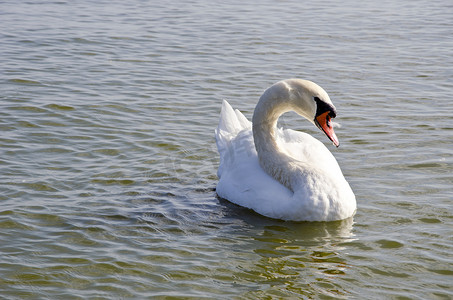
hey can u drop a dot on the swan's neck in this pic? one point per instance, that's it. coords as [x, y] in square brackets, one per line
[274, 160]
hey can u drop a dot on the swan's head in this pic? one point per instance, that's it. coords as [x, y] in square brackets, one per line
[312, 102]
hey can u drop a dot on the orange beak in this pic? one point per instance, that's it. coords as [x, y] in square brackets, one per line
[323, 122]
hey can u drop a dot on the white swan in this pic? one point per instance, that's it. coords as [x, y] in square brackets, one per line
[282, 173]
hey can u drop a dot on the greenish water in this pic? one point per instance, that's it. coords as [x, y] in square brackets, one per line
[108, 160]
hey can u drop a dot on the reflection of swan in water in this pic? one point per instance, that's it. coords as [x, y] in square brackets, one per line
[283, 174]
[311, 256]
[302, 260]
[290, 231]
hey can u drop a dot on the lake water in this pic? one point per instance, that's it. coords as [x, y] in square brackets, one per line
[108, 160]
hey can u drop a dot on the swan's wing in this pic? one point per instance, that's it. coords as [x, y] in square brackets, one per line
[230, 124]
[307, 149]
[241, 178]
[243, 181]
[322, 180]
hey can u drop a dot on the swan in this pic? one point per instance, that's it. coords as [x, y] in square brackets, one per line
[282, 173]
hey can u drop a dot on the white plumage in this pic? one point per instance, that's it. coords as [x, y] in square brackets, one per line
[302, 181]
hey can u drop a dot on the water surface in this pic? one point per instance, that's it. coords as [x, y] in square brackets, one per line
[108, 161]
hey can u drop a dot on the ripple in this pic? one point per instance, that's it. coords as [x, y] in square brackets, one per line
[388, 244]
[113, 181]
[430, 220]
[59, 107]
[25, 82]
[108, 161]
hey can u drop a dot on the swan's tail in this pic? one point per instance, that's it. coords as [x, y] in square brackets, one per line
[231, 123]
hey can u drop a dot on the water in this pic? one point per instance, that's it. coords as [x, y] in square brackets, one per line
[108, 163]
